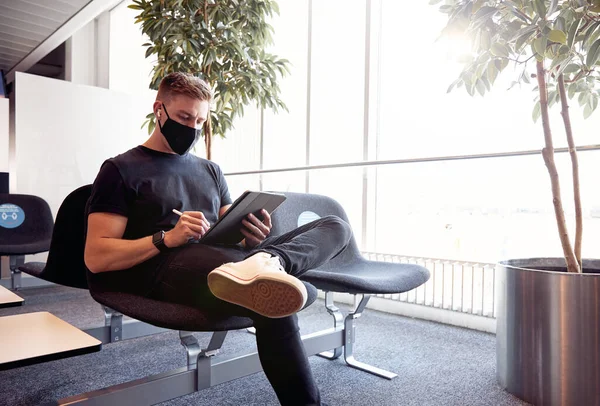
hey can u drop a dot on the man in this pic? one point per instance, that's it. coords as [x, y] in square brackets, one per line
[135, 243]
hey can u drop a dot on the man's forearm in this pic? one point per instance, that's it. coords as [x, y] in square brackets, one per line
[113, 254]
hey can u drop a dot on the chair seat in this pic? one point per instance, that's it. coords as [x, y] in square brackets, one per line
[25, 249]
[368, 277]
[33, 268]
[177, 316]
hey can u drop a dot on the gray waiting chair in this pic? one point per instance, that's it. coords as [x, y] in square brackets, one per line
[349, 272]
[26, 225]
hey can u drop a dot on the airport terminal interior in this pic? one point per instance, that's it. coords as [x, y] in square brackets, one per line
[299, 202]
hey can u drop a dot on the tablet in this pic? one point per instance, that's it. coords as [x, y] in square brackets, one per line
[227, 229]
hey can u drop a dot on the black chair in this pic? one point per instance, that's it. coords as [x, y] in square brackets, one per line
[66, 266]
[349, 272]
[32, 236]
[203, 370]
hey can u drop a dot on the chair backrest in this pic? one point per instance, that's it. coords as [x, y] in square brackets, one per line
[65, 263]
[29, 223]
[301, 208]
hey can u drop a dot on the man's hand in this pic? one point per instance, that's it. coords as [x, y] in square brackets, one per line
[254, 230]
[191, 225]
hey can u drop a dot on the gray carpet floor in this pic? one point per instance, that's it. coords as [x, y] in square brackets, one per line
[436, 364]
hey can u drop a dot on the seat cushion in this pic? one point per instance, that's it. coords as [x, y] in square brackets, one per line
[33, 268]
[25, 249]
[368, 277]
[177, 316]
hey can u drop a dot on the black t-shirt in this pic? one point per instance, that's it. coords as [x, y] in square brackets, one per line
[145, 186]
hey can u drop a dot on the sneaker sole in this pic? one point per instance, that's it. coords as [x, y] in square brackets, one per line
[272, 296]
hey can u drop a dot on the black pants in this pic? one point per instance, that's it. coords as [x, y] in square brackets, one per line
[280, 348]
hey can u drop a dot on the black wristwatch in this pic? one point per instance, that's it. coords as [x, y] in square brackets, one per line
[158, 239]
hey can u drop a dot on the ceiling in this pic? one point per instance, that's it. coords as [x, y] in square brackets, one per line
[25, 24]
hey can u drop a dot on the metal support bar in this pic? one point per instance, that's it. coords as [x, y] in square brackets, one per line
[183, 381]
[350, 337]
[116, 327]
[114, 320]
[130, 329]
[192, 348]
[338, 320]
[15, 261]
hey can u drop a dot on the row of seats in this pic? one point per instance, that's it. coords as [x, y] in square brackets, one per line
[349, 272]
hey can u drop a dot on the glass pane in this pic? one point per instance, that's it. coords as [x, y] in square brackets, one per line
[481, 210]
[129, 70]
[240, 150]
[337, 89]
[345, 186]
[418, 118]
[285, 132]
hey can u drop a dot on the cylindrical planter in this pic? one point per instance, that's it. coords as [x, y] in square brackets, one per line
[548, 331]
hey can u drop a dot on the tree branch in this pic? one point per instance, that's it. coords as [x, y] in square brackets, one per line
[575, 167]
[548, 155]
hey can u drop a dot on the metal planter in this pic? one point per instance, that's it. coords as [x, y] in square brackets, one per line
[548, 331]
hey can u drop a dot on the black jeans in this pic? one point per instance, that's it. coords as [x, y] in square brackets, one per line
[280, 348]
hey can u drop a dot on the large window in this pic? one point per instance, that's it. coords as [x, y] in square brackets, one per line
[467, 209]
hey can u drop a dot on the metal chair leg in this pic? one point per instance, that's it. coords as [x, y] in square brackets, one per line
[349, 335]
[200, 359]
[113, 319]
[15, 261]
[338, 319]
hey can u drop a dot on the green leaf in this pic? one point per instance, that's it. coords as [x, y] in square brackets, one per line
[492, 72]
[571, 68]
[573, 32]
[480, 87]
[557, 36]
[524, 35]
[593, 54]
[539, 45]
[537, 111]
[500, 50]
[587, 111]
[571, 90]
[553, 6]
[452, 85]
[589, 32]
[540, 7]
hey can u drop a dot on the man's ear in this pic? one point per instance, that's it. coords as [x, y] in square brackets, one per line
[157, 109]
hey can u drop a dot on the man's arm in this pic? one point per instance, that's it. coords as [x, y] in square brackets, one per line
[106, 250]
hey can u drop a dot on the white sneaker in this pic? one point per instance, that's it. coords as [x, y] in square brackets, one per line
[258, 283]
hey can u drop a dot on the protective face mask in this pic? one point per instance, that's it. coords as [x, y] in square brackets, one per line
[181, 138]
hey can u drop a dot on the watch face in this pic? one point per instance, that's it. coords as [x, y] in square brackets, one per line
[157, 237]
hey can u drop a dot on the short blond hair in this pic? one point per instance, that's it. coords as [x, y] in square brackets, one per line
[183, 83]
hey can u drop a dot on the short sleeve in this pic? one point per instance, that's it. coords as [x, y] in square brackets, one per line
[109, 192]
[223, 188]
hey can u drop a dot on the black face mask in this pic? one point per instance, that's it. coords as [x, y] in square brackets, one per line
[181, 138]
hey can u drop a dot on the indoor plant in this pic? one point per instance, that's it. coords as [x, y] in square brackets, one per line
[221, 41]
[547, 331]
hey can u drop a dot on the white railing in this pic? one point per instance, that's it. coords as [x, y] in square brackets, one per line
[460, 286]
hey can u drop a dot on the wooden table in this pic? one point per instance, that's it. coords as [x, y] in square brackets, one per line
[32, 338]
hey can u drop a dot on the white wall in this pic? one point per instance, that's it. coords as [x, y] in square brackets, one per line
[4, 104]
[129, 69]
[64, 131]
[80, 58]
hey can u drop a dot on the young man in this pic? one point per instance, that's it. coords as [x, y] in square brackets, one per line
[135, 243]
